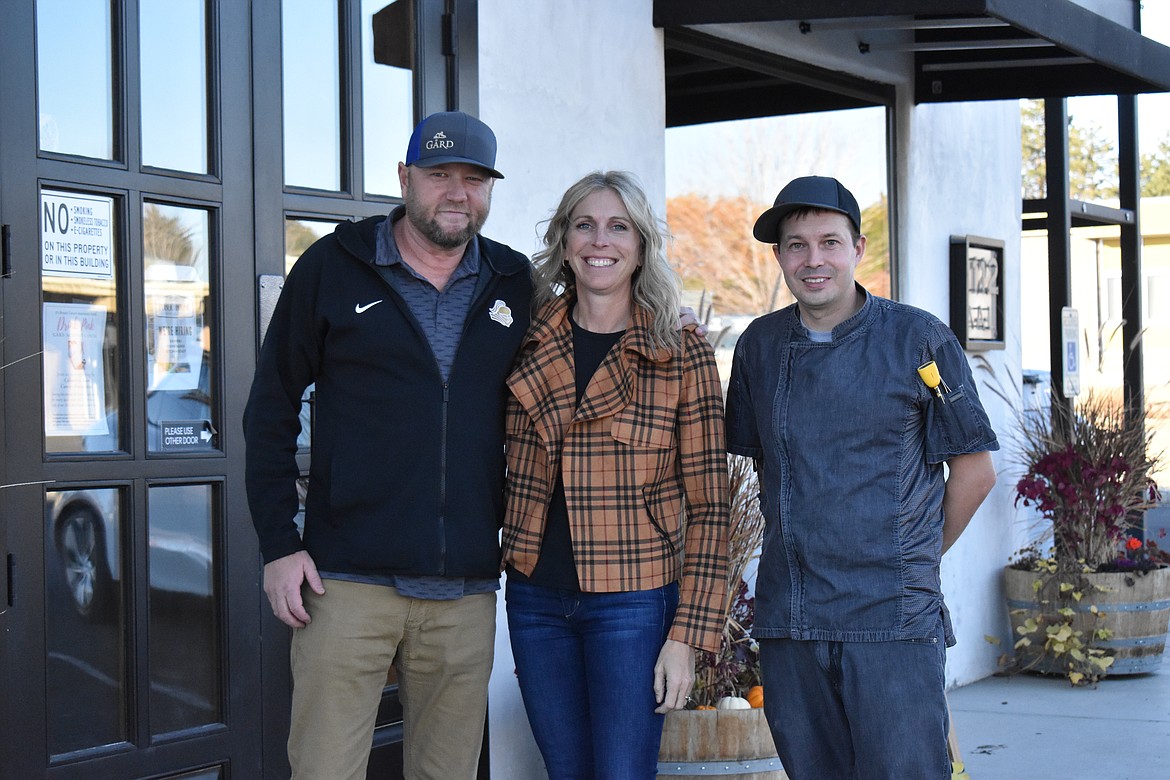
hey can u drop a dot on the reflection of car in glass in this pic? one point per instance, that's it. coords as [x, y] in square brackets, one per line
[85, 527]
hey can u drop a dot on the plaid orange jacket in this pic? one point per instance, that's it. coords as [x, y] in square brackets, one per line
[641, 457]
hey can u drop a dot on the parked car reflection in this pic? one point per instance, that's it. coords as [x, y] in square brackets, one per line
[86, 531]
[84, 528]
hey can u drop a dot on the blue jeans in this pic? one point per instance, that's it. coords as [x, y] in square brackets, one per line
[586, 667]
[858, 710]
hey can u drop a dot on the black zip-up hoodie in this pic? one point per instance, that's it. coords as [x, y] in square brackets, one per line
[407, 472]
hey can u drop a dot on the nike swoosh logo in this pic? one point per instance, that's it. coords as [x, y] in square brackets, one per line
[360, 308]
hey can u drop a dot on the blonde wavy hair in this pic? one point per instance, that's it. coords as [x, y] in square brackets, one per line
[655, 285]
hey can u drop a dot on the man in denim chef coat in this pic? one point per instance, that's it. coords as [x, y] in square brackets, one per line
[850, 442]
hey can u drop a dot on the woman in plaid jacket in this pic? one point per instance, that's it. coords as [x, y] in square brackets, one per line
[615, 533]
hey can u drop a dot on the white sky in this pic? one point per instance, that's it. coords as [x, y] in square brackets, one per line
[740, 157]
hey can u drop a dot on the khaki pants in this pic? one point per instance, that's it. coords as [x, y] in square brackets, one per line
[442, 651]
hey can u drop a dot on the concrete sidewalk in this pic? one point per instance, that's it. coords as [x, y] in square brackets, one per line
[1031, 727]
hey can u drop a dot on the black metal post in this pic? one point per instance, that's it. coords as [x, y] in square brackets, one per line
[1129, 193]
[1059, 224]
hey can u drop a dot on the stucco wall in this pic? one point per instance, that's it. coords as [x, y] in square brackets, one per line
[574, 87]
[959, 168]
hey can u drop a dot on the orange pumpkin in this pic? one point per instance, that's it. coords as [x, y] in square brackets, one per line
[704, 707]
[755, 696]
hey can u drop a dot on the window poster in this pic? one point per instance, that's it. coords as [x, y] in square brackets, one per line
[75, 390]
[77, 235]
[176, 333]
[175, 326]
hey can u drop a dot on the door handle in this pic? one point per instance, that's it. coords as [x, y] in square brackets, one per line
[5, 251]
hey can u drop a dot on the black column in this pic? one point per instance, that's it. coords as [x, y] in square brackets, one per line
[1059, 223]
[1129, 192]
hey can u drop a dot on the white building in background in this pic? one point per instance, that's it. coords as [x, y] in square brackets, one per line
[1096, 295]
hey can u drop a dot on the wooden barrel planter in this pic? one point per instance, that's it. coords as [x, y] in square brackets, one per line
[1135, 607]
[718, 743]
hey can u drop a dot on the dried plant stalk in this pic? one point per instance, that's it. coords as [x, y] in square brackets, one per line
[735, 667]
[747, 522]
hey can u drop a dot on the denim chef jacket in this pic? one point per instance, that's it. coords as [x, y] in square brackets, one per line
[850, 445]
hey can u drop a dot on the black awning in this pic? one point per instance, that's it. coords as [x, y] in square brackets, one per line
[964, 49]
[711, 80]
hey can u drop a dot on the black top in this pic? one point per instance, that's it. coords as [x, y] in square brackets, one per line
[556, 568]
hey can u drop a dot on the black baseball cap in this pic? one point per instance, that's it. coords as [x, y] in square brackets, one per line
[453, 137]
[819, 192]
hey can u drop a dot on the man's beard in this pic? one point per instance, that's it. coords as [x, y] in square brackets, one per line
[434, 232]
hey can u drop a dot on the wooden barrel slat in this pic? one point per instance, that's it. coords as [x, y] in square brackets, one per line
[714, 741]
[1135, 607]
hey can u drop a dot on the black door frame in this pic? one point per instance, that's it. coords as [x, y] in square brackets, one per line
[245, 193]
[228, 194]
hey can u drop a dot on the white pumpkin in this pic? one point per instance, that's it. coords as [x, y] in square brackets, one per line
[733, 703]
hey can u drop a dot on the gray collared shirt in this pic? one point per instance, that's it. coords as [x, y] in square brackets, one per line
[440, 313]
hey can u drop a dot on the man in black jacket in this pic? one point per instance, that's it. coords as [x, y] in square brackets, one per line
[407, 325]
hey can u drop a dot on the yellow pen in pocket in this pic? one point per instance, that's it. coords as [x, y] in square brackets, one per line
[930, 376]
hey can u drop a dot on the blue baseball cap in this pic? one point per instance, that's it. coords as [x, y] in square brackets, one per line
[453, 137]
[818, 192]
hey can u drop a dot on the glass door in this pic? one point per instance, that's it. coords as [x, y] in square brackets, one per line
[131, 621]
[154, 188]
